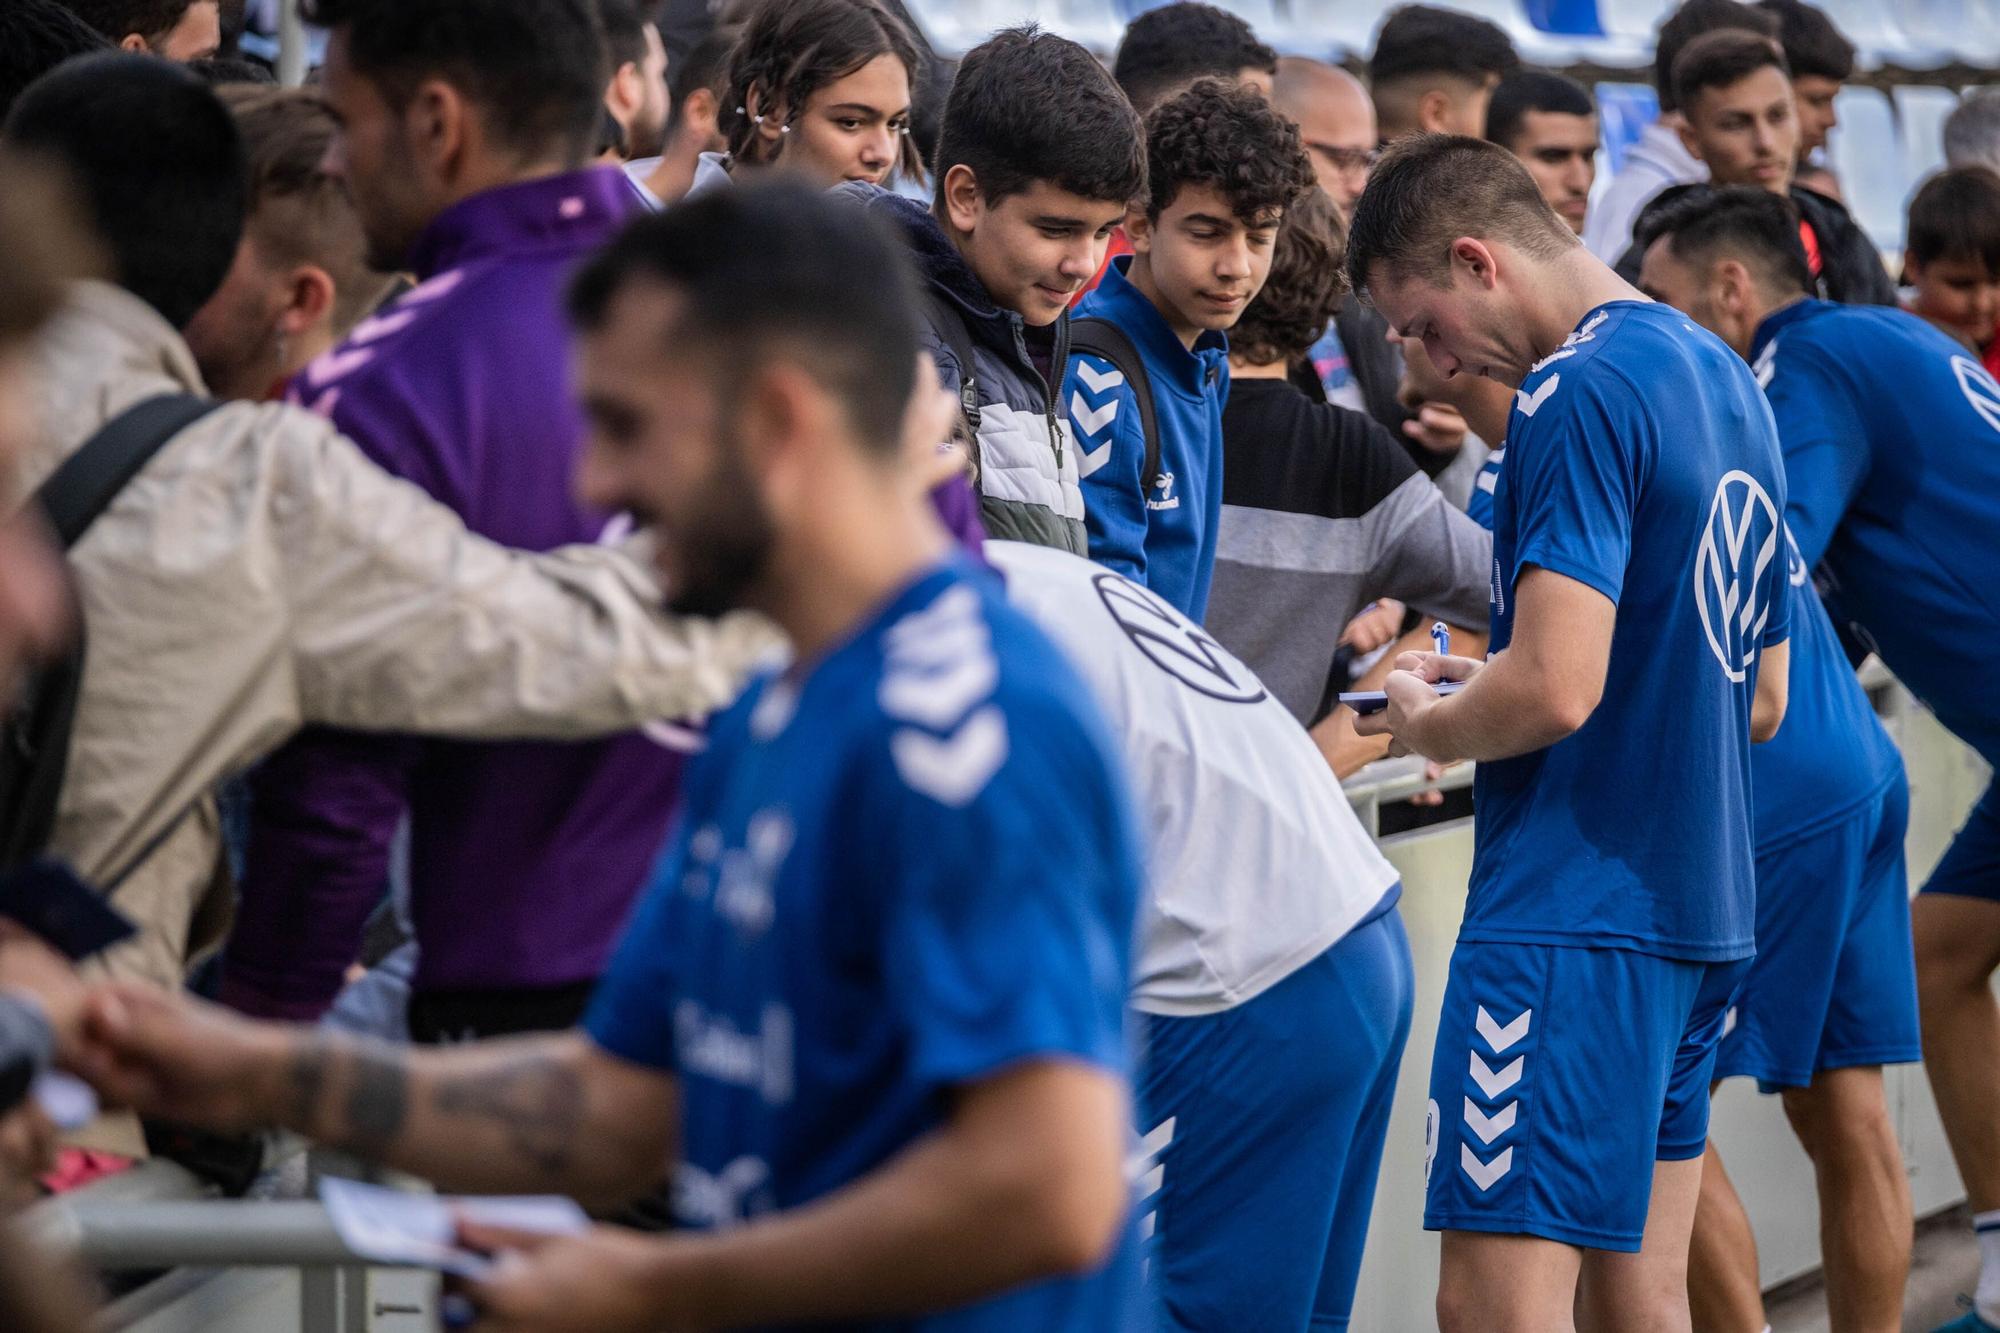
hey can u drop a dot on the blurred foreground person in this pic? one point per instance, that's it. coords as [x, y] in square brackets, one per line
[873, 1004]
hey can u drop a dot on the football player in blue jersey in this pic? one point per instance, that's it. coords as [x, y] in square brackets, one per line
[1891, 434]
[1640, 622]
[873, 1006]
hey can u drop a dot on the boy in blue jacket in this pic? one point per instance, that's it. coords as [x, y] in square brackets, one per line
[1222, 168]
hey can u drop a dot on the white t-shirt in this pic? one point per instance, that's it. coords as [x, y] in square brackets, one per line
[1256, 862]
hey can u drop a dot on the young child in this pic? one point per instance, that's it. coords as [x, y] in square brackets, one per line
[1952, 257]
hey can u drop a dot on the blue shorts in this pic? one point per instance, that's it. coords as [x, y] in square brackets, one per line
[1971, 865]
[1561, 1076]
[1834, 982]
[1262, 1133]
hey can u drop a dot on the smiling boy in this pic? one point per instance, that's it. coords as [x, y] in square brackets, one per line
[1222, 168]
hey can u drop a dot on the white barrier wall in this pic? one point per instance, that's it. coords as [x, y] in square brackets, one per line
[1772, 1174]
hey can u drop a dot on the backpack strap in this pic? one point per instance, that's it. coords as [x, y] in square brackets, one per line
[951, 326]
[91, 478]
[1107, 342]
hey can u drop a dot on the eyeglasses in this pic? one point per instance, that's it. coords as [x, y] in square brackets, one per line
[1347, 160]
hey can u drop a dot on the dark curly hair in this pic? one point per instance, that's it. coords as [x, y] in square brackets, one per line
[1225, 135]
[535, 68]
[119, 19]
[1307, 284]
[790, 49]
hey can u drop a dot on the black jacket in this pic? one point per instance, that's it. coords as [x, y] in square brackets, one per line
[1851, 269]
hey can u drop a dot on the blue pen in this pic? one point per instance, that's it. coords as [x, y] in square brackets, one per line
[1441, 636]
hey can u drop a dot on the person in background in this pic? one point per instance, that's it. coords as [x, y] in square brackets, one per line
[1951, 257]
[1892, 448]
[1039, 158]
[873, 1005]
[285, 579]
[1167, 48]
[180, 30]
[1351, 364]
[1660, 159]
[1972, 131]
[820, 88]
[635, 99]
[1434, 70]
[1831, 997]
[1366, 523]
[1821, 60]
[1739, 117]
[1222, 166]
[464, 144]
[35, 37]
[696, 85]
[1550, 123]
[301, 278]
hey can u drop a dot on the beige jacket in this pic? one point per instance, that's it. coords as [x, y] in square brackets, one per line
[260, 574]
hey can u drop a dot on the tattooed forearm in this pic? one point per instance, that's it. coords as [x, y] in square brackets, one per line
[537, 1100]
[378, 1097]
[305, 1081]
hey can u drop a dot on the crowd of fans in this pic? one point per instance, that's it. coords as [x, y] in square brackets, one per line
[746, 625]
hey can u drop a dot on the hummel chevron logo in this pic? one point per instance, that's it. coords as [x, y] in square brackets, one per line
[1094, 459]
[1088, 419]
[1098, 382]
[1485, 1174]
[1531, 403]
[1497, 1037]
[1493, 1084]
[1490, 1127]
[952, 770]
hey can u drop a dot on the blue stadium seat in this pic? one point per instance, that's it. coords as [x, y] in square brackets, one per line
[1868, 157]
[1633, 20]
[1872, 26]
[1623, 110]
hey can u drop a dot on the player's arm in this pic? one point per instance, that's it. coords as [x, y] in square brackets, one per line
[1542, 688]
[1767, 709]
[1825, 445]
[548, 1113]
[1023, 1182]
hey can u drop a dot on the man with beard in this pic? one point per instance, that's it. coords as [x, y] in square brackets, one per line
[873, 1003]
[464, 129]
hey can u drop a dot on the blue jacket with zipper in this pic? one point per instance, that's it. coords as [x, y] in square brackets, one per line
[1162, 536]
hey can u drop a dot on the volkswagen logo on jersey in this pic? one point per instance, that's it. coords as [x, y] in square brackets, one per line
[1738, 543]
[1978, 388]
[1174, 645]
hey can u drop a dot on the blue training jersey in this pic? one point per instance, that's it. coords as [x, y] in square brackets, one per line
[1891, 433]
[1641, 461]
[905, 871]
[1832, 754]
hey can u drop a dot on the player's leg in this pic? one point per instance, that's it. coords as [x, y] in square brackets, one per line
[1842, 1117]
[1810, 890]
[1490, 1283]
[1864, 1196]
[1647, 1292]
[1723, 1287]
[1956, 923]
[1548, 1087]
[1375, 963]
[1246, 1117]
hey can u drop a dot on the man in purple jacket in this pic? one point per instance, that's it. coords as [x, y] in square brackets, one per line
[465, 127]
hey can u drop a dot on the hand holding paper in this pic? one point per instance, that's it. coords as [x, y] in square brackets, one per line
[1415, 687]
